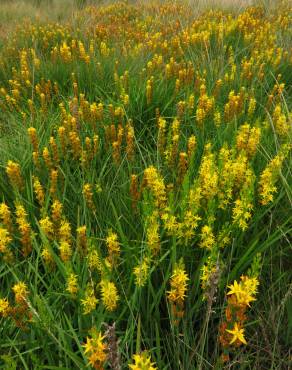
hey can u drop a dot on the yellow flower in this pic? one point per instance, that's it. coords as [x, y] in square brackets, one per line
[56, 210]
[4, 307]
[152, 232]
[113, 246]
[5, 216]
[207, 237]
[5, 239]
[88, 195]
[245, 290]
[14, 173]
[20, 291]
[141, 272]
[156, 184]
[208, 174]
[170, 222]
[72, 284]
[89, 302]
[237, 334]
[178, 284]
[250, 284]
[248, 139]
[192, 142]
[142, 362]
[188, 226]
[82, 238]
[95, 350]
[46, 226]
[33, 138]
[39, 191]
[207, 270]
[65, 232]
[241, 213]
[109, 295]
[93, 260]
[48, 257]
[235, 289]
[268, 179]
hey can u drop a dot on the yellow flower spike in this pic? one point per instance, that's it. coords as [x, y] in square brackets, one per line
[56, 211]
[72, 284]
[182, 166]
[62, 138]
[172, 151]
[251, 107]
[54, 182]
[161, 134]
[82, 239]
[116, 152]
[65, 251]
[48, 257]
[208, 174]
[170, 222]
[241, 213]
[134, 191]
[89, 302]
[5, 239]
[55, 150]
[237, 334]
[178, 284]
[104, 50]
[39, 191]
[4, 307]
[24, 229]
[149, 91]
[248, 138]
[244, 291]
[5, 216]
[207, 237]
[192, 142]
[20, 291]
[46, 226]
[95, 147]
[152, 234]
[113, 247]
[109, 295]
[130, 141]
[88, 195]
[14, 174]
[95, 350]
[268, 178]
[94, 262]
[250, 284]
[75, 144]
[235, 289]
[142, 362]
[33, 138]
[141, 272]
[187, 228]
[155, 183]
[47, 158]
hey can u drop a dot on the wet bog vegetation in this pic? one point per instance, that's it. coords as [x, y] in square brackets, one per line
[145, 189]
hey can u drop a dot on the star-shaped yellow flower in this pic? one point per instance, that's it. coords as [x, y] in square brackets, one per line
[235, 289]
[238, 334]
[241, 292]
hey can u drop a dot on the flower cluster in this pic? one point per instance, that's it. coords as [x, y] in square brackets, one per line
[240, 295]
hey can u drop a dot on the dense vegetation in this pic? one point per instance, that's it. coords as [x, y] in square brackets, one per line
[145, 189]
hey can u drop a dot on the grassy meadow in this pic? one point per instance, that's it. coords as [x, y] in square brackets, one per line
[145, 184]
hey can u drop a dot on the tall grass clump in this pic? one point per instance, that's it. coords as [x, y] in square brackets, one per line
[145, 189]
